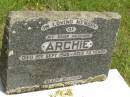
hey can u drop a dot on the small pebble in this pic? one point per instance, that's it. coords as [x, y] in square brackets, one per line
[29, 28]
[11, 53]
[40, 23]
[14, 32]
[25, 24]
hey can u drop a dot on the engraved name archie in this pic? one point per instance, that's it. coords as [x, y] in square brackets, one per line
[66, 45]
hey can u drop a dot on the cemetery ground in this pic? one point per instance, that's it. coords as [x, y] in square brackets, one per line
[121, 53]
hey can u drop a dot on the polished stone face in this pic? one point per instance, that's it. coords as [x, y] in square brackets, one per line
[42, 50]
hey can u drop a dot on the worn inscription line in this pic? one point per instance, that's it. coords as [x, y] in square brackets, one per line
[62, 54]
[68, 36]
[82, 22]
[56, 80]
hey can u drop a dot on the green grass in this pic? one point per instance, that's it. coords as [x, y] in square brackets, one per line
[121, 56]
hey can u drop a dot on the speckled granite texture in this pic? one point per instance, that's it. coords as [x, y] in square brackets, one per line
[43, 50]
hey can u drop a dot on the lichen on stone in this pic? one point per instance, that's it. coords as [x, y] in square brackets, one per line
[56, 85]
[63, 93]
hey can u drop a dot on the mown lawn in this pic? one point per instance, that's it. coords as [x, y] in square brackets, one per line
[121, 56]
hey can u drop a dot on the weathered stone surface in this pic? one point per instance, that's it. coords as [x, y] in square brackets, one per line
[43, 50]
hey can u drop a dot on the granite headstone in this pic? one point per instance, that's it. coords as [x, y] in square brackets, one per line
[44, 50]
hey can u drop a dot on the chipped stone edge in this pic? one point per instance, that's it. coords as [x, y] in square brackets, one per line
[54, 15]
[56, 85]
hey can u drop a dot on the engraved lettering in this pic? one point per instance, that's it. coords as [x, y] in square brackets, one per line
[66, 45]
[56, 23]
[62, 54]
